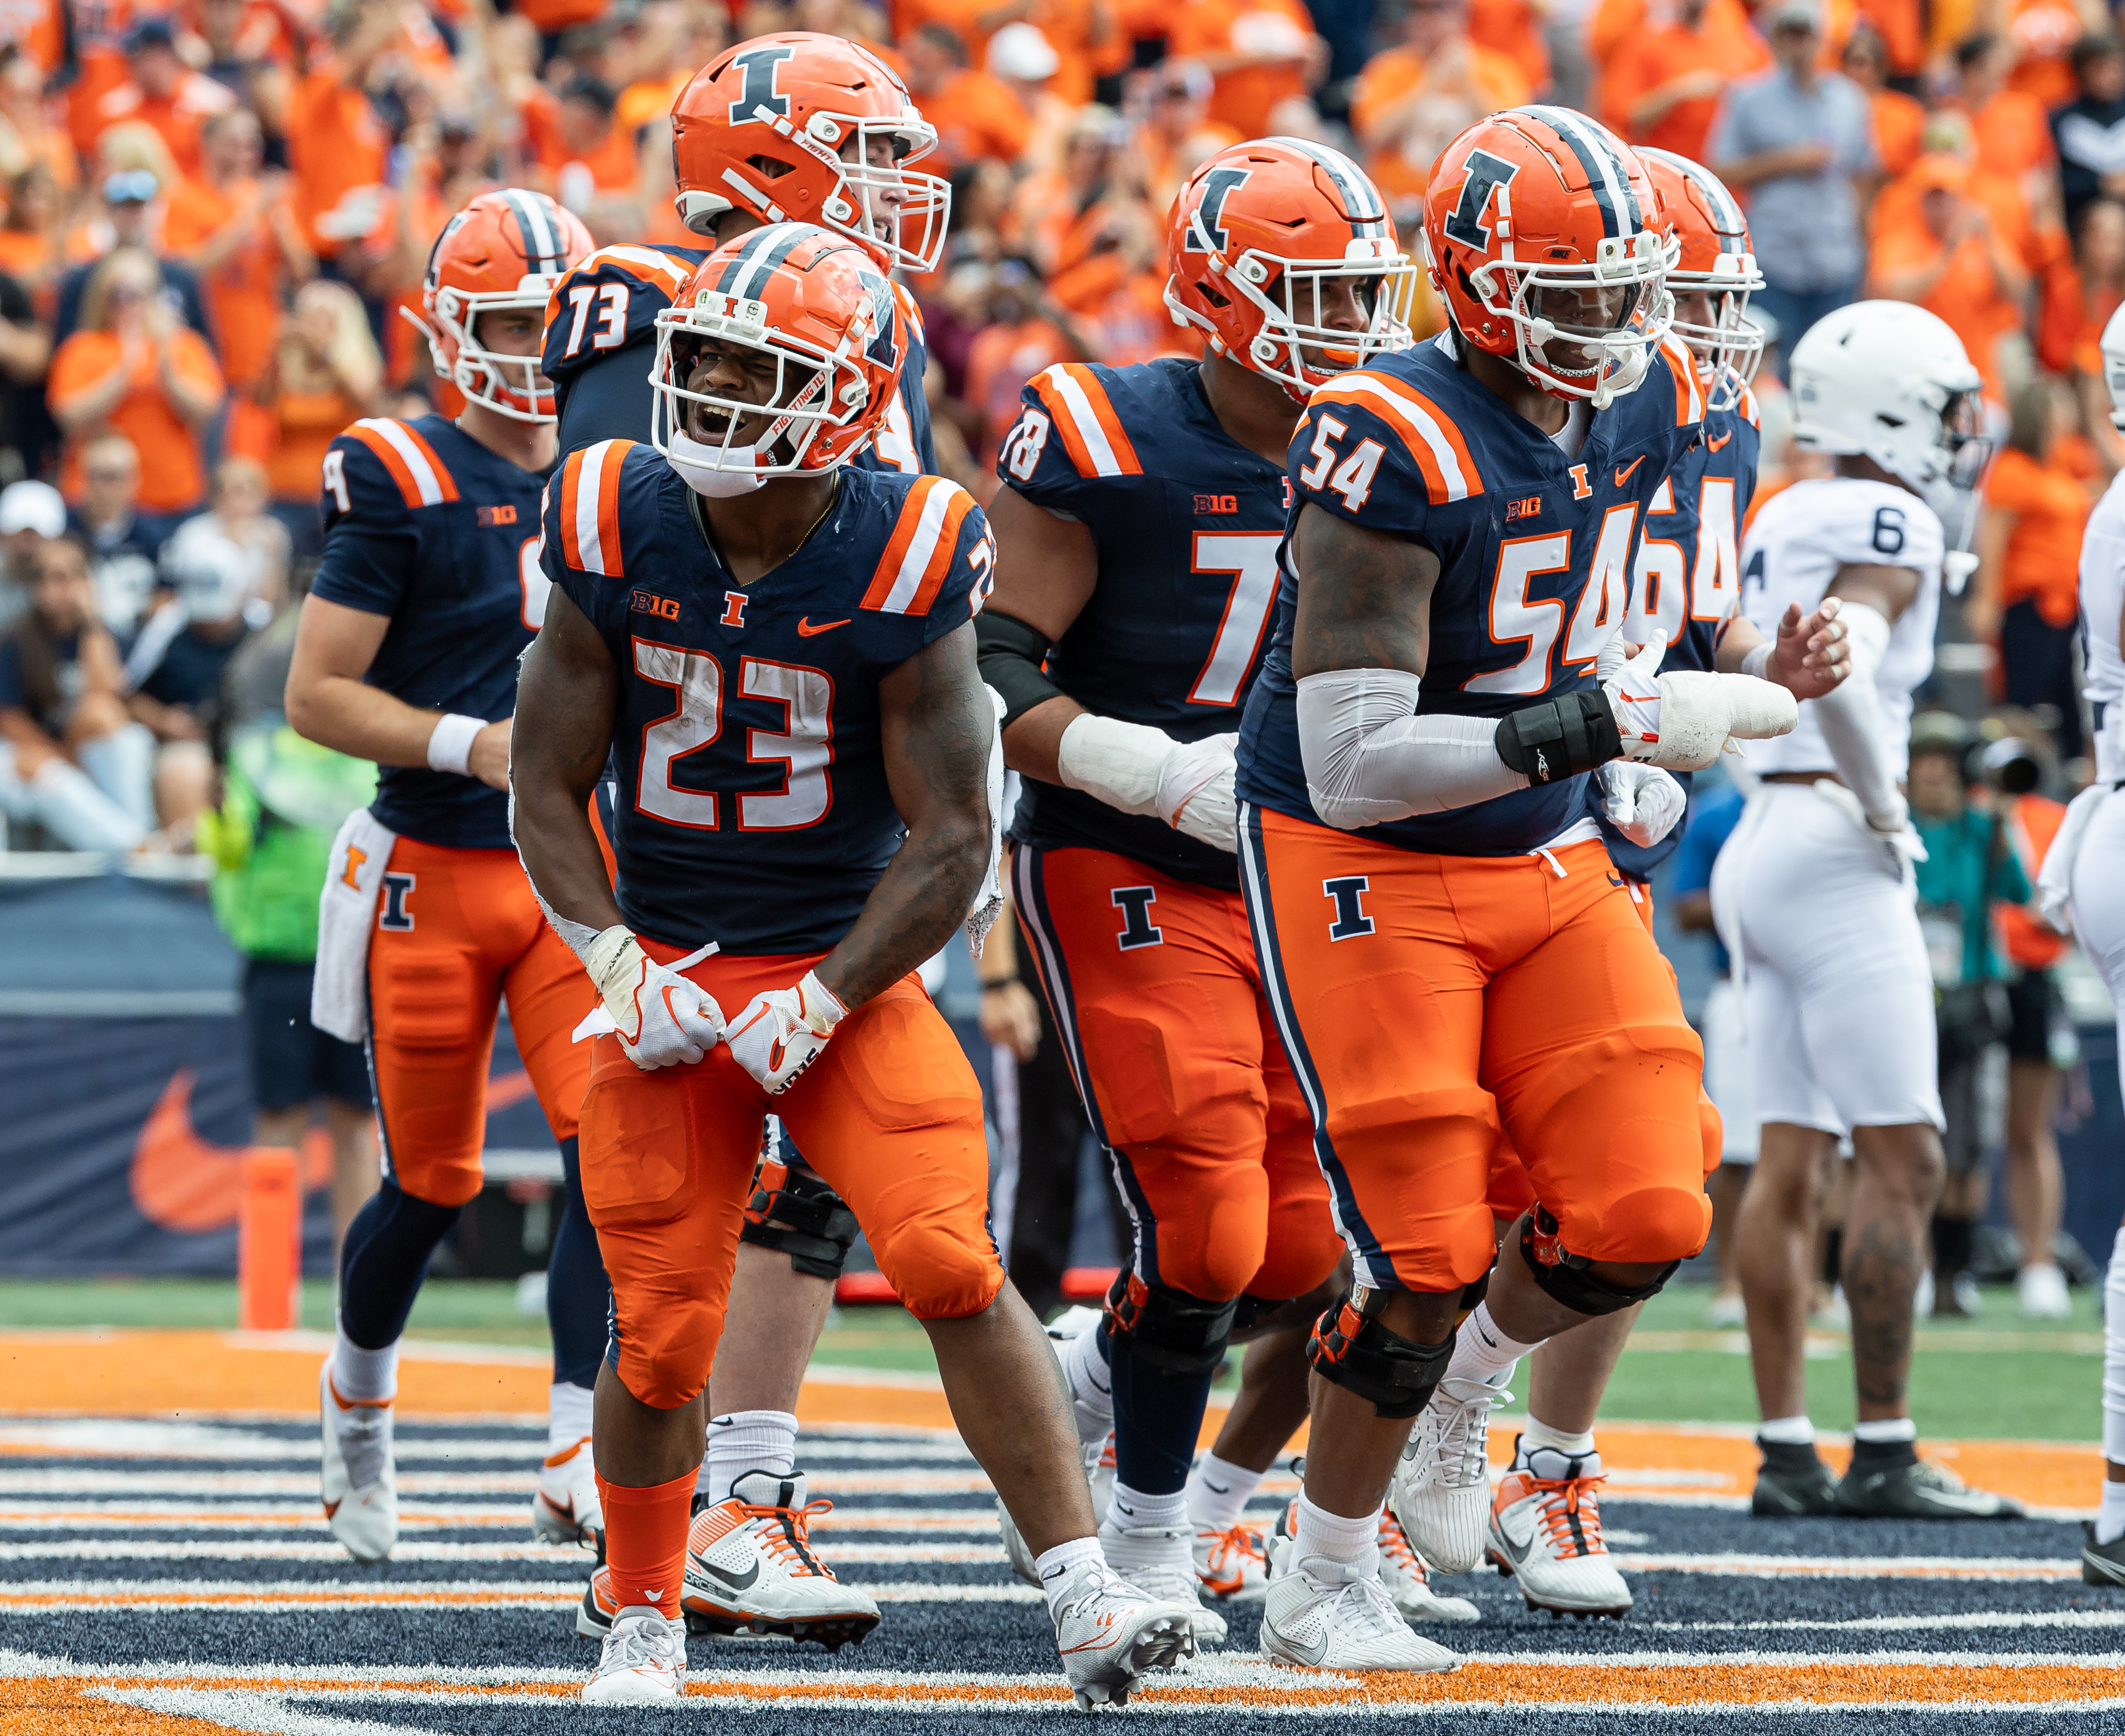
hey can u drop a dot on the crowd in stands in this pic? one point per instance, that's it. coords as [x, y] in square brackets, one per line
[214, 215]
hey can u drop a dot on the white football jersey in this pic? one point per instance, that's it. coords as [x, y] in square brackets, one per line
[1799, 540]
[2102, 602]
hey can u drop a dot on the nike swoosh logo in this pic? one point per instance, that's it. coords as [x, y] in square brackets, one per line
[1313, 1654]
[805, 627]
[1714, 445]
[1519, 1551]
[1623, 472]
[735, 1582]
[1614, 880]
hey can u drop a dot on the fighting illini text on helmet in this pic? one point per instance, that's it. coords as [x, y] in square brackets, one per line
[505, 251]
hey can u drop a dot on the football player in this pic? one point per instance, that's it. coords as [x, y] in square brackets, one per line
[815, 128]
[2082, 885]
[1447, 948]
[1137, 533]
[406, 654]
[1813, 896]
[777, 649]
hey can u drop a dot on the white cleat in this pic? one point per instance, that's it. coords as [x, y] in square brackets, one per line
[1162, 1564]
[751, 1569]
[1546, 1531]
[360, 1487]
[1408, 1580]
[1325, 1615]
[1109, 1633]
[644, 1661]
[1233, 1564]
[1099, 1473]
[1441, 1491]
[567, 1509]
[2041, 1292]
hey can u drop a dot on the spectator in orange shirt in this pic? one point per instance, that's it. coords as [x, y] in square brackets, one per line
[1953, 261]
[27, 133]
[323, 374]
[1436, 58]
[975, 115]
[1048, 210]
[1258, 52]
[1175, 133]
[1021, 57]
[2027, 593]
[135, 369]
[1513, 28]
[232, 228]
[336, 145]
[1663, 88]
[1023, 335]
[1899, 121]
[1902, 26]
[165, 93]
[30, 244]
[2042, 34]
[2013, 133]
[600, 173]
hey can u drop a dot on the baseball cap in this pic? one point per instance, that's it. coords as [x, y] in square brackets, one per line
[150, 33]
[1021, 51]
[32, 507]
[1788, 15]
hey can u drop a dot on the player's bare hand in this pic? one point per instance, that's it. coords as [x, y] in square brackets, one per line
[488, 761]
[1811, 654]
[1010, 1018]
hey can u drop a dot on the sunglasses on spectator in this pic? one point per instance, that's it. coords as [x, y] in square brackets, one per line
[130, 186]
[106, 473]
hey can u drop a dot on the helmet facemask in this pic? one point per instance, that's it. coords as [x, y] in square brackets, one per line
[1614, 312]
[509, 385]
[1730, 348]
[1297, 345]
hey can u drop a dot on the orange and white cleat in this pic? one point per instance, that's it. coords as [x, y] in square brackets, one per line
[566, 1509]
[751, 1569]
[1546, 1531]
[1233, 1563]
[1408, 1580]
[358, 1479]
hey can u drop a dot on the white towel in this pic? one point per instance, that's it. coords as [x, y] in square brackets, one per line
[346, 916]
[2055, 878]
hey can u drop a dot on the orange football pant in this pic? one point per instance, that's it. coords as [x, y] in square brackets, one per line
[1427, 1001]
[458, 931]
[1155, 991]
[892, 1110]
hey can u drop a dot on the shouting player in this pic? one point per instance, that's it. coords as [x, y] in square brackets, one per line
[778, 650]
[1814, 897]
[1447, 948]
[406, 654]
[1137, 533]
[817, 129]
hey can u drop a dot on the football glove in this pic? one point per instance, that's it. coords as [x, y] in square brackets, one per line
[661, 1018]
[1641, 801]
[1893, 833]
[783, 1032]
[1681, 720]
[1196, 792]
[1142, 770]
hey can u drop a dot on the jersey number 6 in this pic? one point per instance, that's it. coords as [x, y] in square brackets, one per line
[805, 747]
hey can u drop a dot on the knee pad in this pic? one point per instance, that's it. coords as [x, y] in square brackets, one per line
[1169, 1328]
[1564, 1277]
[793, 1210]
[1352, 1349]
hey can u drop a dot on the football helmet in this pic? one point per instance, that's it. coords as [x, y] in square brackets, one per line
[1889, 381]
[504, 250]
[2113, 347]
[1715, 259]
[1544, 239]
[1258, 237]
[816, 306]
[798, 127]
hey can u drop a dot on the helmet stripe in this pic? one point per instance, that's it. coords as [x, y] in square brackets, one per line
[542, 244]
[1367, 211]
[761, 253]
[1609, 179]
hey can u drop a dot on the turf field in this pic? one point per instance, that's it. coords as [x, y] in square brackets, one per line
[164, 1570]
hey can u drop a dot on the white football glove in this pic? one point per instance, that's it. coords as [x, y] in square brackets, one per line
[1901, 847]
[1196, 792]
[661, 1018]
[1641, 801]
[781, 1033]
[1681, 720]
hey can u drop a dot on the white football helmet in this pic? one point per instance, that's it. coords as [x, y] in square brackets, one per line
[2113, 365]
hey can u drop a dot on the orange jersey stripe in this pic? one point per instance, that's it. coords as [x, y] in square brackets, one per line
[1689, 401]
[590, 508]
[1083, 415]
[1442, 455]
[919, 553]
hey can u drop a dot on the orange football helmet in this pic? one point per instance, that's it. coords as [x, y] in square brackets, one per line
[798, 127]
[820, 307]
[1546, 242]
[1260, 236]
[504, 250]
[1716, 261]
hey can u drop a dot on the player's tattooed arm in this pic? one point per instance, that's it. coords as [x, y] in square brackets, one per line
[1364, 598]
[567, 695]
[934, 722]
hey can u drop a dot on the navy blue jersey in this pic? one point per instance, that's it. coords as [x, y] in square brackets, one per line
[1534, 550]
[425, 524]
[601, 343]
[1187, 522]
[751, 808]
[1687, 578]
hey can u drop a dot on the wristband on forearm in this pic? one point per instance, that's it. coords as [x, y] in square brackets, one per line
[449, 743]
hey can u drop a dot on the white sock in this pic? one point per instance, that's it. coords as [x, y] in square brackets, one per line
[1539, 1434]
[1352, 1544]
[1217, 1493]
[2113, 1355]
[1059, 1567]
[1091, 1387]
[1890, 1428]
[1787, 1431]
[567, 1415]
[742, 1441]
[364, 1376]
[1133, 1510]
[1483, 1351]
[2110, 1517]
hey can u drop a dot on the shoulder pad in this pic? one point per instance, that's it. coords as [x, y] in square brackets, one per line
[1688, 396]
[924, 547]
[909, 311]
[1422, 437]
[1076, 397]
[582, 515]
[611, 301]
[388, 468]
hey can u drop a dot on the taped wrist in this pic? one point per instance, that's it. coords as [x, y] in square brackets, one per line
[795, 1211]
[1561, 738]
[1564, 1278]
[1352, 1349]
[1118, 763]
[1175, 1332]
[1010, 654]
[616, 964]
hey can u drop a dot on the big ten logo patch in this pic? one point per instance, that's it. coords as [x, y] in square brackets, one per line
[648, 602]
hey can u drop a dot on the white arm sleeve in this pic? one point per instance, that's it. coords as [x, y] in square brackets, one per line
[1369, 759]
[1851, 718]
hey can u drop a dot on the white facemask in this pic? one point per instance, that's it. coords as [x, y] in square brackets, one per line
[715, 473]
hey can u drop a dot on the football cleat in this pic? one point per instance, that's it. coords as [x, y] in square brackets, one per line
[751, 1569]
[1441, 1491]
[1099, 1473]
[1109, 1633]
[599, 1610]
[1334, 1615]
[2041, 1293]
[360, 1487]
[1917, 1489]
[2101, 1563]
[566, 1509]
[1408, 1580]
[1160, 1564]
[1232, 1564]
[1792, 1483]
[1546, 1531]
[644, 1661]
